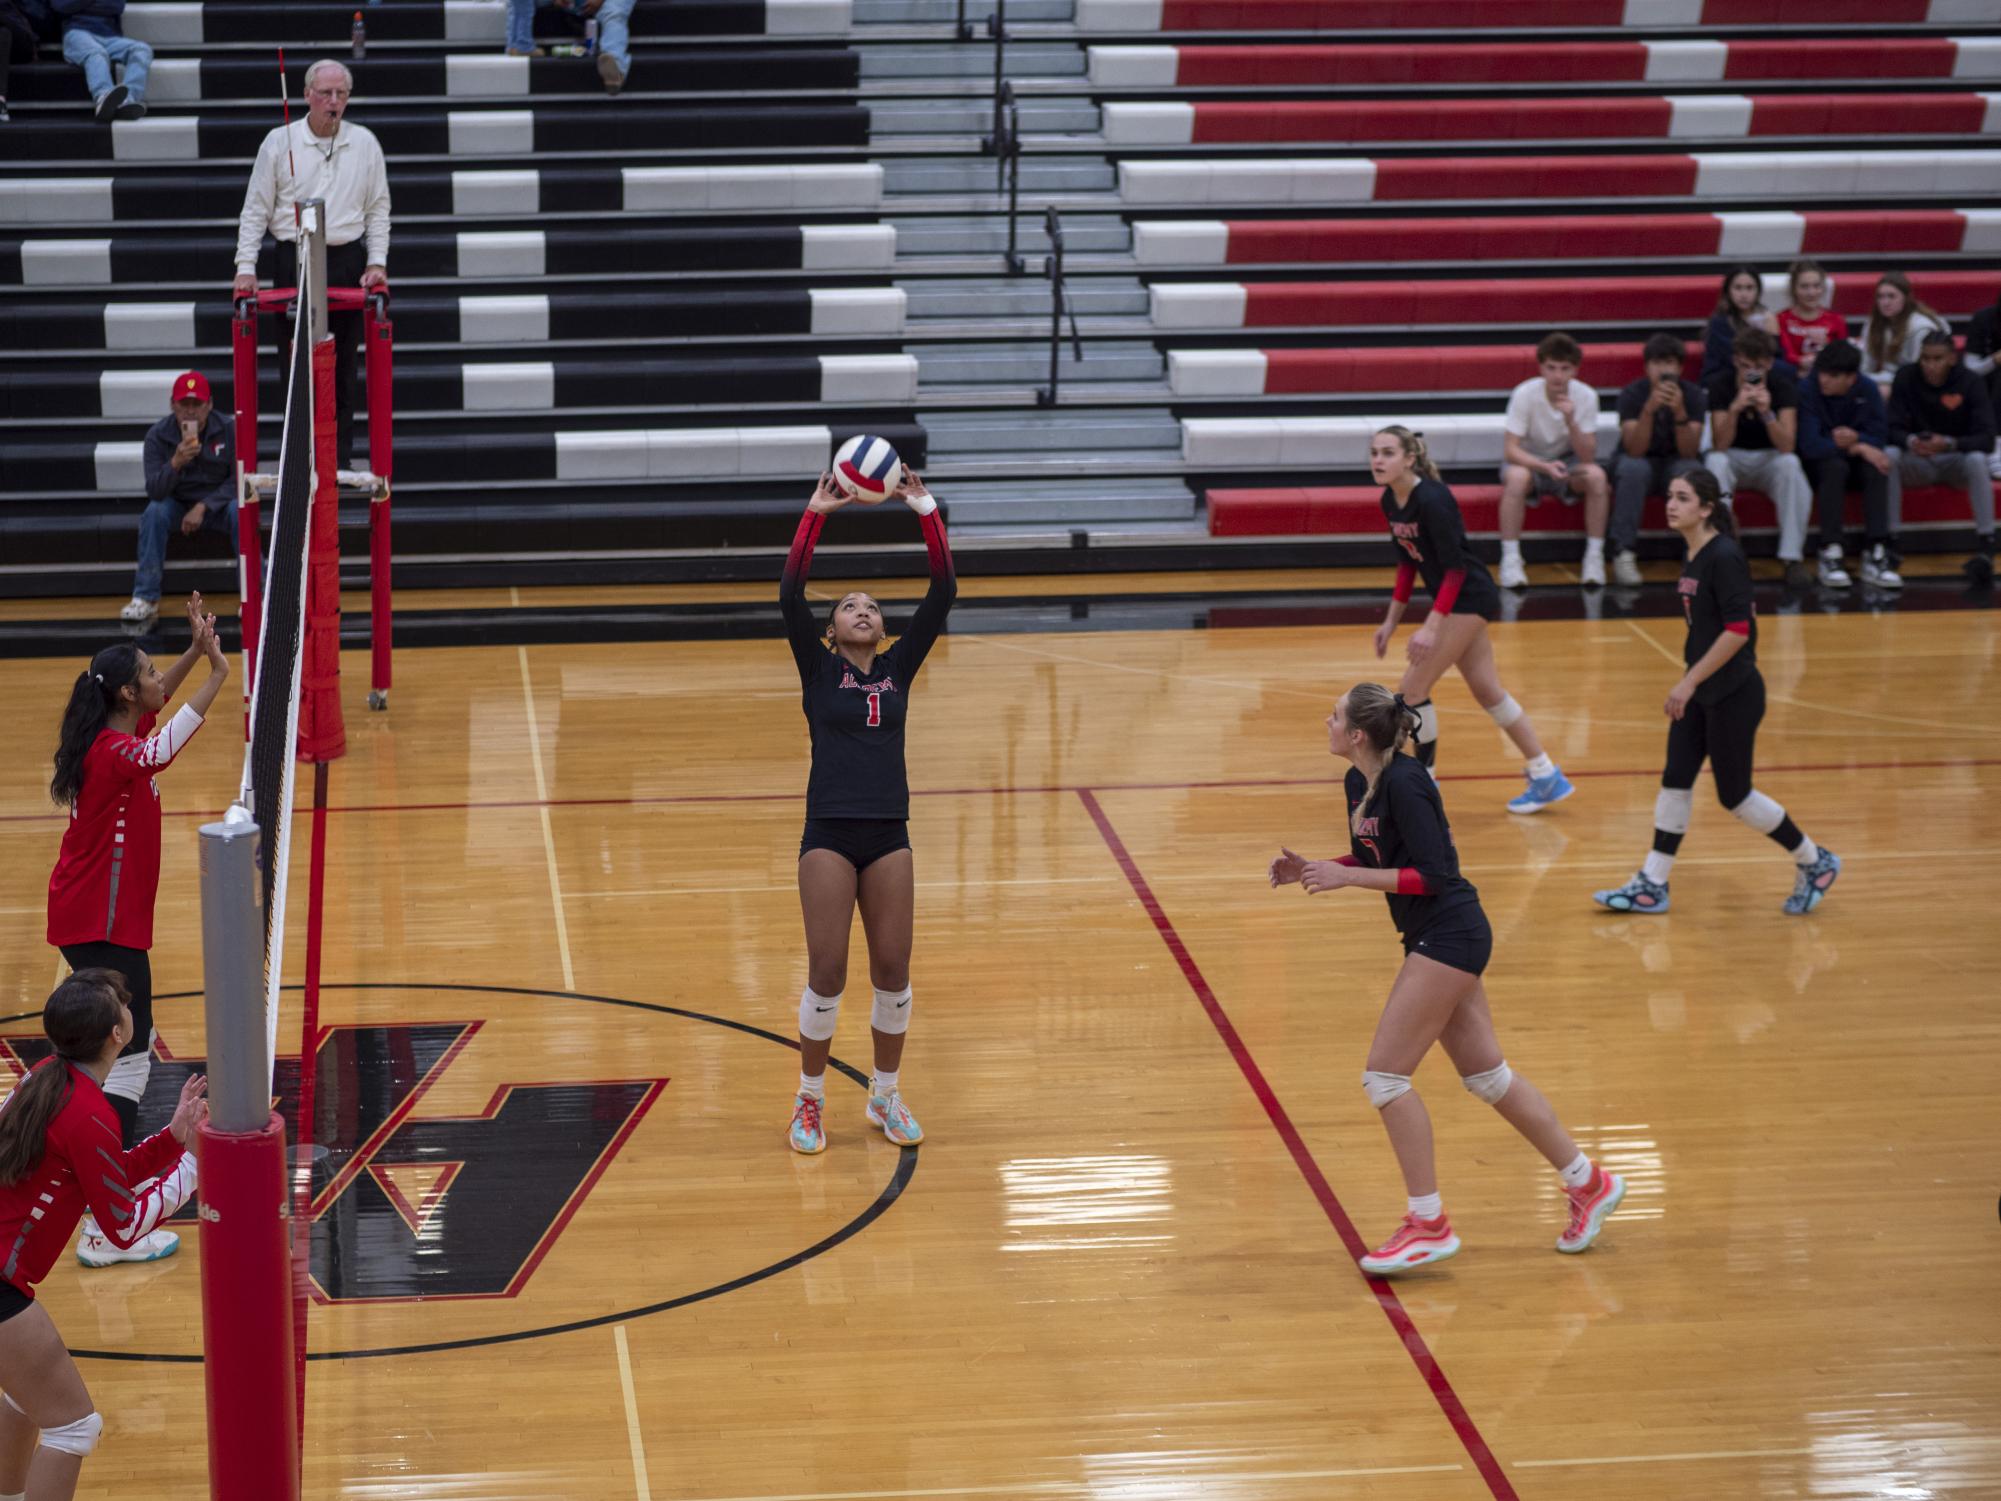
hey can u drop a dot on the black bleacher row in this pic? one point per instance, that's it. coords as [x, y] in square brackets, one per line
[421, 459]
[566, 252]
[319, 23]
[138, 196]
[432, 132]
[438, 320]
[712, 380]
[670, 70]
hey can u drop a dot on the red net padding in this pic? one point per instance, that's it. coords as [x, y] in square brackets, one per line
[321, 734]
[247, 1297]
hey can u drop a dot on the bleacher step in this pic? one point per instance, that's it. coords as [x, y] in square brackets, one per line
[984, 365]
[946, 13]
[986, 503]
[1026, 436]
[974, 117]
[918, 176]
[1083, 234]
[1042, 62]
[994, 297]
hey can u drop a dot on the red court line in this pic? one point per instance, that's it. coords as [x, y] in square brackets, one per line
[1330, 1204]
[697, 799]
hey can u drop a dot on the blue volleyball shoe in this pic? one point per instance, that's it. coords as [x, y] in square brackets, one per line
[1541, 792]
[893, 1117]
[1637, 895]
[807, 1134]
[1811, 884]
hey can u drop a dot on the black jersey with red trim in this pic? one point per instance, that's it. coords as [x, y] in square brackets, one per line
[1715, 597]
[1405, 829]
[1430, 532]
[856, 719]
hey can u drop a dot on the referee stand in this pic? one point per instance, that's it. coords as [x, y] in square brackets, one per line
[371, 484]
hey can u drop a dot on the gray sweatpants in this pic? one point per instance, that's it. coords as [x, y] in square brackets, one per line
[1962, 471]
[1776, 474]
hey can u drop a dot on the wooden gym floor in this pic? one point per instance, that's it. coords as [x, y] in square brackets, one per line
[1119, 1268]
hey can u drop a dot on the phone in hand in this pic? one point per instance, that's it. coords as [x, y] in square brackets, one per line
[1754, 377]
[188, 429]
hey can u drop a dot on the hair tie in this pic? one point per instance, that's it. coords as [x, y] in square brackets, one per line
[1417, 435]
[1400, 704]
[97, 677]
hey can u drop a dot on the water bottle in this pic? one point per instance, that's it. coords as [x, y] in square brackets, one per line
[360, 34]
[591, 37]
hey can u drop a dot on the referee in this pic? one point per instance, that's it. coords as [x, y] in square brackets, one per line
[329, 157]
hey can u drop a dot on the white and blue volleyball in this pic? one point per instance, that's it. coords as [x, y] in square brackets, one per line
[867, 468]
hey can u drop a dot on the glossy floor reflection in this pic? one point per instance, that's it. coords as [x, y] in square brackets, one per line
[553, 1143]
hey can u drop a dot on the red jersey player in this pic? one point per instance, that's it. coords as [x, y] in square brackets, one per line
[60, 1152]
[101, 891]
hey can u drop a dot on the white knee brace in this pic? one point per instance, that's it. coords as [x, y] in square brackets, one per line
[1760, 812]
[1427, 722]
[1506, 712]
[891, 1012]
[817, 1014]
[1382, 1088]
[128, 1076]
[77, 1438]
[1672, 807]
[1491, 1085]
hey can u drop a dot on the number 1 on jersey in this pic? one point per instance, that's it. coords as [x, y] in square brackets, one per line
[874, 710]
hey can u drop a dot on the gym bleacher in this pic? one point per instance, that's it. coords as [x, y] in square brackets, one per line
[631, 329]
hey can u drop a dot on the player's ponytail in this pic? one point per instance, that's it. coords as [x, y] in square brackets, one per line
[79, 1020]
[1387, 721]
[1709, 494]
[92, 697]
[1414, 449]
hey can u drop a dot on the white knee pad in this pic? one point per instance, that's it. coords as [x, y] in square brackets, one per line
[817, 1014]
[128, 1076]
[1427, 721]
[1506, 712]
[77, 1438]
[1672, 807]
[891, 1012]
[1382, 1088]
[1760, 812]
[1491, 1085]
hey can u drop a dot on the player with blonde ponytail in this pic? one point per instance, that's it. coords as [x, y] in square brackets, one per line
[1426, 525]
[1400, 844]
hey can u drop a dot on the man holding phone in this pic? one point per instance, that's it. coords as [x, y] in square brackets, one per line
[190, 461]
[1660, 438]
[1754, 435]
[1941, 432]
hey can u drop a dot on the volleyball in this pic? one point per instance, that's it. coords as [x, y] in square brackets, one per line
[867, 468]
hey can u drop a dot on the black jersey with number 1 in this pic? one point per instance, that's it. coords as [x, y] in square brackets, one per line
[855, 718]
[1431, 534]
[1716, 597]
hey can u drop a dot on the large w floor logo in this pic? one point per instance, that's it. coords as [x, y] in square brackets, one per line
[442, 1207]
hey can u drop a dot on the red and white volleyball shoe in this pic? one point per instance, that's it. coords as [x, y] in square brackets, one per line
[1588, 1207]
[1417, 1243]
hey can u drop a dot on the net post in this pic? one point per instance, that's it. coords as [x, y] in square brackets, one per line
[379, 337]
[313, 255]
[246, 1226]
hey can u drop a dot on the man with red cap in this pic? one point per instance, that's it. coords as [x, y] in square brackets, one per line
[190, 459]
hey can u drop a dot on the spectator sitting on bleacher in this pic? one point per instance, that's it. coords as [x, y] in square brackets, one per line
[1548, 443]
[17, 36]
[94, 40]
[614, 58]
[1941, 433]
[1979, 357]
[1808, 325]
[190, 459]
[1660, 437]
[1897, 326]
[1753, 432]
[1843, 435]
[1740, 305]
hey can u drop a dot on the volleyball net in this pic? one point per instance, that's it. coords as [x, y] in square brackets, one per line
[256, 1186]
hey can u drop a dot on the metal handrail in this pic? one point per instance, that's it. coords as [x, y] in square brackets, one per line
[1059, 304]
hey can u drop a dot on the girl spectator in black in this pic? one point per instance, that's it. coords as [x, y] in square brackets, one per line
[856, 848]
[1399, 844]
[1713, 712]
[1740, 305]
[1431, 537]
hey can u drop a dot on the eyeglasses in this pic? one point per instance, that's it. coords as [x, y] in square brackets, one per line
[328, 93]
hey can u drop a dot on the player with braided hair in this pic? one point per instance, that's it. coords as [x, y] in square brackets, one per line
[1401, 845]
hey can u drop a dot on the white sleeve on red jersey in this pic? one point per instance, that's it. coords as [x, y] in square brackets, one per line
[142, 758]
[127, 1214]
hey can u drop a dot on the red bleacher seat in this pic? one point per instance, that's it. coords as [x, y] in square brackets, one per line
[1846, 57]
[1356, 510]
[1535, 177]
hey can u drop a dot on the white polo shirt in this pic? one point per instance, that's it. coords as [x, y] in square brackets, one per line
[346, 171]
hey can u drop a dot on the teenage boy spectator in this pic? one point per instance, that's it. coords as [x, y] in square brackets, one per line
[190, 461]
[1843, 437]
[1753, 434]
[1549, 442]
[1660, 437]
[94, 40]
[1941, 433]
